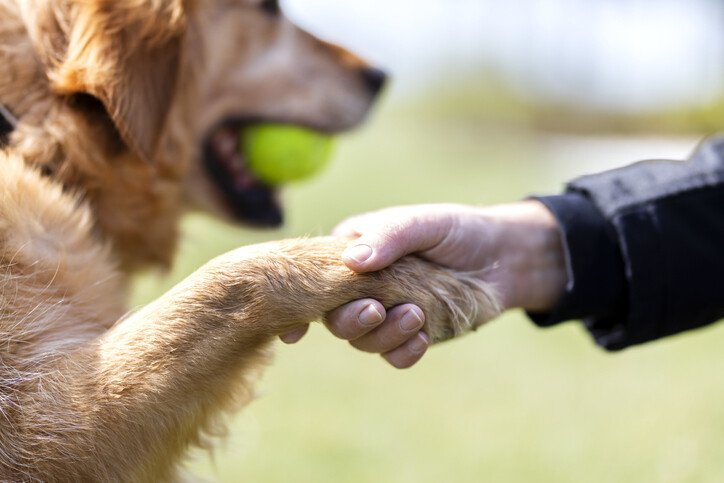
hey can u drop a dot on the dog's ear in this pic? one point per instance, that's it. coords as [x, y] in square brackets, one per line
[126, 54]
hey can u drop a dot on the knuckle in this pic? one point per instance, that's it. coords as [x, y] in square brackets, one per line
[361, 345]
[401, 360]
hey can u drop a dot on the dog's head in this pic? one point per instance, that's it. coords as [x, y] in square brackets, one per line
[254, 65]
[169, 86]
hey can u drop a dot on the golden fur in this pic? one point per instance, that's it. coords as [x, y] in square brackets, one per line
[113, 100]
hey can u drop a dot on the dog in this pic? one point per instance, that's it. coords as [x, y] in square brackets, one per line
[120, 116]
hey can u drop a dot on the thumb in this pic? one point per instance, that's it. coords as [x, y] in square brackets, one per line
[377, 249]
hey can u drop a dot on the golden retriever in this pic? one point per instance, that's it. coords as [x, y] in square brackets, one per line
[125, 115]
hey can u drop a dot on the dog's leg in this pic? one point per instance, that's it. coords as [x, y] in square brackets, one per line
[128, 404]
[161, 373]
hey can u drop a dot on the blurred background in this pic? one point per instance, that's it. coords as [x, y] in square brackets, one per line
[491, 101]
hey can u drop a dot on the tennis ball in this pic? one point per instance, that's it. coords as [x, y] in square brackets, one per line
[278, 154]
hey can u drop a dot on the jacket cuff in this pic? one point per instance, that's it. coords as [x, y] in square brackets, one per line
[596, 279]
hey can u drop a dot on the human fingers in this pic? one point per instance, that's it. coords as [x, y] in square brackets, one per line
[400, 326]
[294, 336]
[407, 355]
[379, 246]
[355, 319]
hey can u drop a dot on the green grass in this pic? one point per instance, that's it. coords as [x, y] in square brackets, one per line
[511, 403]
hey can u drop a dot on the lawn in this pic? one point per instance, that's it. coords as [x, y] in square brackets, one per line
[511, 403]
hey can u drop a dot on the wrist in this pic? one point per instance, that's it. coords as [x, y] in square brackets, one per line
[531, 265]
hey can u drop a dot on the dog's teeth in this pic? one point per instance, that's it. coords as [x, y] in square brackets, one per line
[225, 142]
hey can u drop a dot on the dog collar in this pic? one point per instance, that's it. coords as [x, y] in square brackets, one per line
[8, 123]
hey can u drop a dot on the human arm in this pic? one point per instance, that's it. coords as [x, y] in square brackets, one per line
[638, 253]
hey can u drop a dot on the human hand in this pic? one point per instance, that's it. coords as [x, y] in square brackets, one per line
[516, 247]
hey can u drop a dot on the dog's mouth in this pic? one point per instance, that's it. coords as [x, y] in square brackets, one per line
[248, 199]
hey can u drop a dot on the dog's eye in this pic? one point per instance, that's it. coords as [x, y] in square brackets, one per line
[271, 7]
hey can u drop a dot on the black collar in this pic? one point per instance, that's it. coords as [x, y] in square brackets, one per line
[7, 124]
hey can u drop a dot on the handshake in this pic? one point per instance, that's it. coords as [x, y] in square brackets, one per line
[514, 249]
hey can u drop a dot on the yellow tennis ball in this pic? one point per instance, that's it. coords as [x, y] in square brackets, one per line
[278, 154]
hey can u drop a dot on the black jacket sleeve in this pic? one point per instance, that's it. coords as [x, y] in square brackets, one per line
[644, 248]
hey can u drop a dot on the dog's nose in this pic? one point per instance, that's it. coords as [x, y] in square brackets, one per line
[374, 78]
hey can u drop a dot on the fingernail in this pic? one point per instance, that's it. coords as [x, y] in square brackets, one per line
[358, 253]
[370, 316]
[419, 344]
[411, 321]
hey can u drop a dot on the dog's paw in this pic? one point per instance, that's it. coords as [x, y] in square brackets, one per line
[454, 303]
